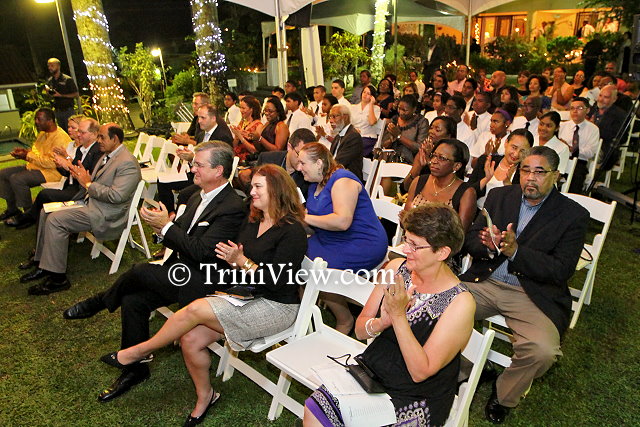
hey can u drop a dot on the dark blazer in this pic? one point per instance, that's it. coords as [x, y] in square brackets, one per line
[548, 248]
[279, 158]
[609, 125]
[349, 152]
[219, 222]
[88, 163]
[222, 133]
[478, 174]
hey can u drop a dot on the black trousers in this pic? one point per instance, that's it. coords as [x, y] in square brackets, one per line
[166, 189]
[50, 195]
[579, 175]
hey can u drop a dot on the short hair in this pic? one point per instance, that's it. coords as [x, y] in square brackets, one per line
[244, 93]
[555, 118]
[372, 90]
[204, 96]
[339, 82]
[548, 153]
[232, 95]
[582, 99]
[277, 104]
[461, 104]
[391, 77]
[536, 100]
[278, 89]
[521, 132]
[445, 82]
[460, 153]
[47, 113]
[367, 72]
[253, 103]
[449, 124]
[317, 151]
[292, 83]
[56, 60]
[332, 99]
[113, 130]
[303, 134]
[544, 84]
[564, 70]
[473, 83]
[294, 96]
[487, 97]
[513, 92]
[212, 111]
[322, 88]
[345, 111]
[284, 201]
[525, 73]
[438, 223]
[77, 118]
[410, 100]
[94, 125]
[220, 154]
[412, 85]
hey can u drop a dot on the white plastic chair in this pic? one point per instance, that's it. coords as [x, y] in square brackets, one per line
[569, 170]
[389, 211]
[296, 359]
[180, 127]
[369, 171]
[396, 171]
[133, 219]
[592, 165]
[143, 140]
[158, 164]
[624, 153]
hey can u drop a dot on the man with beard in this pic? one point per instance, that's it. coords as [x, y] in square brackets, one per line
[63, 90]
[347, 142]
[609, 118]
[520, 270]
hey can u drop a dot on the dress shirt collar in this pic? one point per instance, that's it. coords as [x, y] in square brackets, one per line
[344, 130]
[208, 197]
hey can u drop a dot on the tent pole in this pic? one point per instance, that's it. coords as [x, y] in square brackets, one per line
[281, 46]
[469, 16]
[395, 37]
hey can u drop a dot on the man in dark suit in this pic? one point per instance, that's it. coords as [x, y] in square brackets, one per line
[87, 154]
[213, 215]
[520, 270]
[347, 143]
[609, 118]
[188, 138]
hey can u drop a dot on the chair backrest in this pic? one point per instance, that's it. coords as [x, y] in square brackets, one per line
[598, 211]
[380, 128]
[593, 163]
[570, 168]
[135, 201]
[143, 140]
[369, 170]
[311, 293]
[476, 352]
[180, 127]
[234, 168]
[388, 170]
[169, 148]
[155, 142]
[389, 211]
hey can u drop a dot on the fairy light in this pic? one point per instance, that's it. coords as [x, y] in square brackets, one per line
[379, 30]
[208, 40]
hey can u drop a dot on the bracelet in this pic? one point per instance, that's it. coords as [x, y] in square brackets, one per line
[369, 328]
[248, 264]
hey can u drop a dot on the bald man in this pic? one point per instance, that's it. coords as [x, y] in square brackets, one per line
[64, 92]
[498, 79]
[609, 118]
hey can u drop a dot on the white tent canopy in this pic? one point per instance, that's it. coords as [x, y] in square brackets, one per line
[269, 7]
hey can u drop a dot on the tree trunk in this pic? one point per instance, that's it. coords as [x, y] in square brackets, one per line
[93, 32]
[211, 60]
[379, 30]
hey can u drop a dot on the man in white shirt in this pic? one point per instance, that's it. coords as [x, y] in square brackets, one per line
[233, 115]
[479, 117]
[454, 109]
[315, 107]
[296, 118]
[461, 77]
[337, 90]
[413, 76]
[468, 93]
[583, 137]
[529, 121]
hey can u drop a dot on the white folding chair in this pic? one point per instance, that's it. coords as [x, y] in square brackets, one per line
[296, 359]
[396, 171]
[592, 165]
[624, 153]
[390, 212]
[175, 170]
[180, 127]
[133, 219]
[234, 168]
[143, 140]
[369, 170]
[569, 170]
[158, 164]
[603, 213]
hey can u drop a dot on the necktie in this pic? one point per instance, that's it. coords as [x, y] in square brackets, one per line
[575, 142]
[317, 109]
[289, 119]
[526, 126]
[474, 121]
[75, 162]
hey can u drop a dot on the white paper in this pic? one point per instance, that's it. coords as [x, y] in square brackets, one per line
[234, 301]
[367, 410]
[337, 380]
[62, 206]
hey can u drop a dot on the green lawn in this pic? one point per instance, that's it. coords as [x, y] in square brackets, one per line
[50, 373]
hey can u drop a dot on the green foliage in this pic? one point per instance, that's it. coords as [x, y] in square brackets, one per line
[612, 45]
[184, 84]
[138, 68]
[622, 10]
[558, 47]
[511, 51]
[414, 44]
[28, 129]
[87, 107]
[342, 53]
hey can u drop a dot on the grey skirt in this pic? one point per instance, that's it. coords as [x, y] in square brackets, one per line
[249, 324]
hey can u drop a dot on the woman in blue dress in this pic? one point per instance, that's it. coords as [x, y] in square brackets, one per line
[347, 232]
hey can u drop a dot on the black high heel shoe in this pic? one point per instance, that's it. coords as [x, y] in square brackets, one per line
[194, 421]
[111, 359]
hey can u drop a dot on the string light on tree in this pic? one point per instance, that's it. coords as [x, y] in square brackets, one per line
[208, 40]
[379, 31]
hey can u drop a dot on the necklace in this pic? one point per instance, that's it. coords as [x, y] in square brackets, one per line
[502, 167]
[438, 191]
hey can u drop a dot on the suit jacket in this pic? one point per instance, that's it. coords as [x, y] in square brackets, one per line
[609, 125]
[110, 193]
[548, 248]
[349, 152]
[88, 163]
[219, 222]
[222, 133]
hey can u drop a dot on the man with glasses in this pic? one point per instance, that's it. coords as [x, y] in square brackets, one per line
[347, 145]
[199, 99]
[582, 137]
[212, 216]
[520, 270]
[529, 120]
[454, 108]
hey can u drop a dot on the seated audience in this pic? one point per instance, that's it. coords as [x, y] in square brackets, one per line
[250, 125]
[529, 120]
[548, 136]
[425, 320]
[322, 126]
[492, 141]
[365, 81]
[523, 77]
[107, 193]
[468, 93]
[454, 109]
[385, 98]
[460, 78]
[279, 94]
[72, 130]
[445, 182]
[521, 271]
[561, 92]
[315, 107]
[296, 117]
[364, 117]
[199, 99]
[578, 84]
[346, 146]
[232, 116]
[583, 137]
[496, 170]
[275, 133]
[420, 86]
[609, 119]
[347, 232]
[537, 86]
[406, 132]
[438, 102]
[16, 181]
[507, 94]
[498, 81]
[337, 90]
[479, 117]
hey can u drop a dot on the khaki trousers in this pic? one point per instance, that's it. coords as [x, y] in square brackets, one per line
[536, 343]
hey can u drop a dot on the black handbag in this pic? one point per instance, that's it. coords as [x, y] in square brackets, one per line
[361, 373]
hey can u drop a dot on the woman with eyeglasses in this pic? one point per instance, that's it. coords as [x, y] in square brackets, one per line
[496, 170]
[445, 182]
[419, 324]
[548, 130]
[275, 133]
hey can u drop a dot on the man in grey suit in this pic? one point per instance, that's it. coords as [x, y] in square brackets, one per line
[107, 193]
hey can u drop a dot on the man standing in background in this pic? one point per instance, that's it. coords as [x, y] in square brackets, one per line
[64, 92]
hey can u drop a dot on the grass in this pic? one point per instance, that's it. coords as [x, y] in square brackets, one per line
[50, 374]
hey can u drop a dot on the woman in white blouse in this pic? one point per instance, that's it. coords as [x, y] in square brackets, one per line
[548, 136]
[364, 117]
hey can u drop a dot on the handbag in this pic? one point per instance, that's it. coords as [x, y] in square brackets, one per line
[361, 373]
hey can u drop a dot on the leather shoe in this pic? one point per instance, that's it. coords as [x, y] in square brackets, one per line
[111, 359]
[194, 421]
[36, 274]
[489, 373]
[8, 214]
[26, 265]
[123, 384]
[49, 286]
[24, 221]
[494, 411]
[85, 309]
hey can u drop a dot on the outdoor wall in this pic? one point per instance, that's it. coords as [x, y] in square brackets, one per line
[565, 21]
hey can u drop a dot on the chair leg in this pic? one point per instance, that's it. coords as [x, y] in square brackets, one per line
[282, 389]
[589, 282]
[229, 369]
[117, 256]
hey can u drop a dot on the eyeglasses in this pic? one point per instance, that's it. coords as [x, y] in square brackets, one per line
[577, 108]
[537, 173]
[412, 247]
[201, 165]
[439, 158]
[334, 116]
[294, 149]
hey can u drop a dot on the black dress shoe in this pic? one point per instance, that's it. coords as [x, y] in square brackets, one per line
[111, 359]
[26, 265]
[36, 274]
[489, 373]
[24, 221]
[85, 309]
[8, 214]
[194, 421]
[49, 286]
[494, 411]
[123, 384]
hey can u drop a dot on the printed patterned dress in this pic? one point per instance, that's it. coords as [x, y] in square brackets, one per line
[426, 403]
